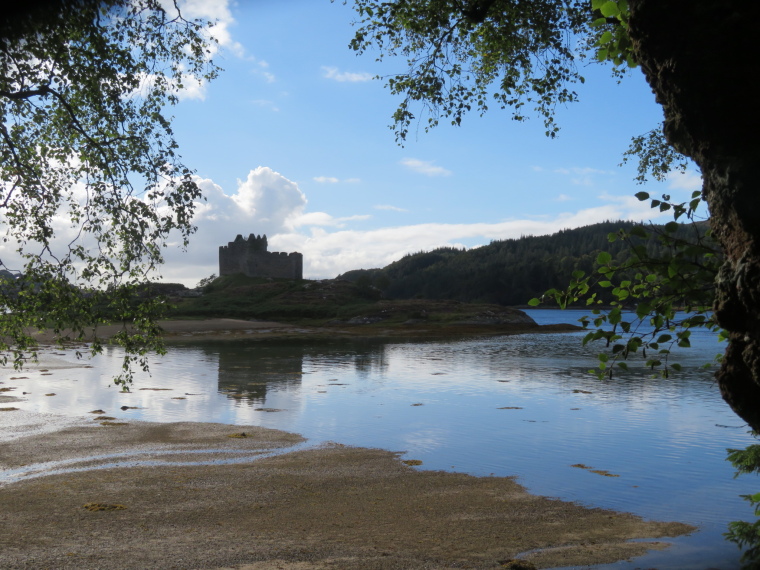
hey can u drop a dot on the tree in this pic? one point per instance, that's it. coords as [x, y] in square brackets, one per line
[462, 54]
[91, 184]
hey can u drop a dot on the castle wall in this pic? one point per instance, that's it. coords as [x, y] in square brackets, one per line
[250, 257]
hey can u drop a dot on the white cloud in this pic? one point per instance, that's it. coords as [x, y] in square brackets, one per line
[192, 88]
[563, 198]
[688, 180]
[269, 199]
[261, 68]
[345, 76]
[215, 11]
[324, 219]
[425, 167]
[389, 207]
[583, 176]
[266, 103]
[334, 180]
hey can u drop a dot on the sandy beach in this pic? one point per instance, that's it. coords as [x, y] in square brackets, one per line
[87, 493]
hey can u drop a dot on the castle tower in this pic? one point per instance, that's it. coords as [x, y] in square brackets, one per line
[250, 257]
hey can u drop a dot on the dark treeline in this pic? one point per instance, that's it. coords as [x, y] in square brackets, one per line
[508, 272]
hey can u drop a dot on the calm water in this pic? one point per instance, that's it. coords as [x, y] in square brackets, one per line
[442, 403]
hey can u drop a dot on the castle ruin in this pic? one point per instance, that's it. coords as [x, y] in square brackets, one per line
[250, 257]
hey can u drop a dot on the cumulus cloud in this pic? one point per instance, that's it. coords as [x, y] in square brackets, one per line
[215, 11]
[425, 167]
[269, 199]
[345, 76]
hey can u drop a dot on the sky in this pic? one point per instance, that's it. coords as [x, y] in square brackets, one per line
[292, 140]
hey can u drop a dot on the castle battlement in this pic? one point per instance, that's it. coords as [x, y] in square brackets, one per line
[250, 257]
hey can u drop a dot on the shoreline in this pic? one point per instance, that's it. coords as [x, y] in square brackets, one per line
[219, 329]
[199, 495]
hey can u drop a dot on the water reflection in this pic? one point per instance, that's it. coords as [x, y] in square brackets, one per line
[247, 372]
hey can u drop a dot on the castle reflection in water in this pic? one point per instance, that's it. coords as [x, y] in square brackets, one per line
[247, 371]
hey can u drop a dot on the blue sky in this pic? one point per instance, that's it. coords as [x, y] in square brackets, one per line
[292, 140]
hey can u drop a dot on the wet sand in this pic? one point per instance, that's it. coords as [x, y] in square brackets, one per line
[169, 499]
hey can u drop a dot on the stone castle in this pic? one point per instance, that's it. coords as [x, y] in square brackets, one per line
[250, 257]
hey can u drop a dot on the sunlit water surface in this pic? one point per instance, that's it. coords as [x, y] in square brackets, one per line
[513, 405]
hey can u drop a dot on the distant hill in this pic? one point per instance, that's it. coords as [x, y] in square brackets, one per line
[506, 272]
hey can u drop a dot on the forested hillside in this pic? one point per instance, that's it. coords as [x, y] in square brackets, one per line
[508, 272]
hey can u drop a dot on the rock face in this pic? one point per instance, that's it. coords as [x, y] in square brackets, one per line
[697, 58]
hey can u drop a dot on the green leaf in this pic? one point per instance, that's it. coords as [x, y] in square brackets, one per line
[603, 258]
[642, 196]
[638, 231]
[609, 9]
[534, 302]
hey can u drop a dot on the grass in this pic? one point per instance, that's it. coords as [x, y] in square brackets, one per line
[315, 302]
[329, 301]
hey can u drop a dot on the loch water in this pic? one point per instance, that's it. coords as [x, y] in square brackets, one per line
[520, 405]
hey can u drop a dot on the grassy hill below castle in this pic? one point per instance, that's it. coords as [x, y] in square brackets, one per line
[341, 304]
